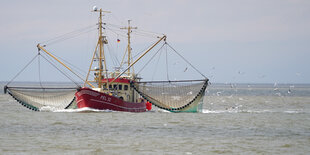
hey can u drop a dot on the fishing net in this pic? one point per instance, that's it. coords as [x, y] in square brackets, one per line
[175, 96]
[39, 99]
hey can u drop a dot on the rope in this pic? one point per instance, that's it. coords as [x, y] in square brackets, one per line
[62, 72]
[43, 88]
[39, 70]
[151, 59]
[117, 34]
[155, 71]
[137, 32]
[113, 56]
[22, 69]
[113, 25]
[145, 31]
[122, 62]
[139, 53]
[145, 35]
[71, 65]
[70, 71]
[186, 60]
[167, 65]
[171, 81]
[70, 35]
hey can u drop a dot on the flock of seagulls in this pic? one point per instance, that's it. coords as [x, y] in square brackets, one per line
[276, 88]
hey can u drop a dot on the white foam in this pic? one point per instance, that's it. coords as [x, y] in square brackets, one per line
[86, 109]
[293, 111]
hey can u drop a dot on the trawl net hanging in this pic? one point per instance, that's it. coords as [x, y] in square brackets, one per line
[174, 96]
[38, 99]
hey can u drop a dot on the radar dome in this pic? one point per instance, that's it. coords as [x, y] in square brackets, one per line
[95, 8]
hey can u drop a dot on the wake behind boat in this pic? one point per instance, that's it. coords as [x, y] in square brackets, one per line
[120, 90]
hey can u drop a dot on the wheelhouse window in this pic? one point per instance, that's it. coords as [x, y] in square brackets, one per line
[115, 86]
[120, 87]
[125, 87]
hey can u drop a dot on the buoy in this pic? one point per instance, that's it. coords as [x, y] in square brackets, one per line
[148, 106]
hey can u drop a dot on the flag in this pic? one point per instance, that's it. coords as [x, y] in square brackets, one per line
[118, 40]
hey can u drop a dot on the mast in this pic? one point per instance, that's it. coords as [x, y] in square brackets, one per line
[129, 28]
[101, 53]
[102, 68]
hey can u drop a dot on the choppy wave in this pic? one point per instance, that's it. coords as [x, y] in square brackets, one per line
[207, 111]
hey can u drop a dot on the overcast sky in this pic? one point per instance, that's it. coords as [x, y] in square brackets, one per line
[247, 41]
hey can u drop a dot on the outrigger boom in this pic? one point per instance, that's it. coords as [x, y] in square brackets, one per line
[50, 54]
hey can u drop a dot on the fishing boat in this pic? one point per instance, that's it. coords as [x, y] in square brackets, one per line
[119, 90]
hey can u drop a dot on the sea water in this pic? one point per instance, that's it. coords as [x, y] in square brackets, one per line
[236, 119]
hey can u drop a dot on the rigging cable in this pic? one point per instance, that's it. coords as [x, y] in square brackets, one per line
[62, 72]
[115, 17]
[186, 61]
[118, 34]
[151, 59]
[138, 54]
[22, 69]
[144, 35]
[69, 33]
[113, 25]
[136, 32]
[150, 32]
[123, 62]
[112, 54]
[167, 63]
[39, 69]
[80, 71]
[69, 37]
[155, 70]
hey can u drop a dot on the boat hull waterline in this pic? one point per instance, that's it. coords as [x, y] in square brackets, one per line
[88, 98]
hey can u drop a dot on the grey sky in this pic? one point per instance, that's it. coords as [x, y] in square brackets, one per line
[264, 41]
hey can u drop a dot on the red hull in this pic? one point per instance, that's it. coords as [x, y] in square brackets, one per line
[89, 98]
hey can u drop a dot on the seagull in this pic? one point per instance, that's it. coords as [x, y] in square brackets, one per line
[241, 73]
[185, 69]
